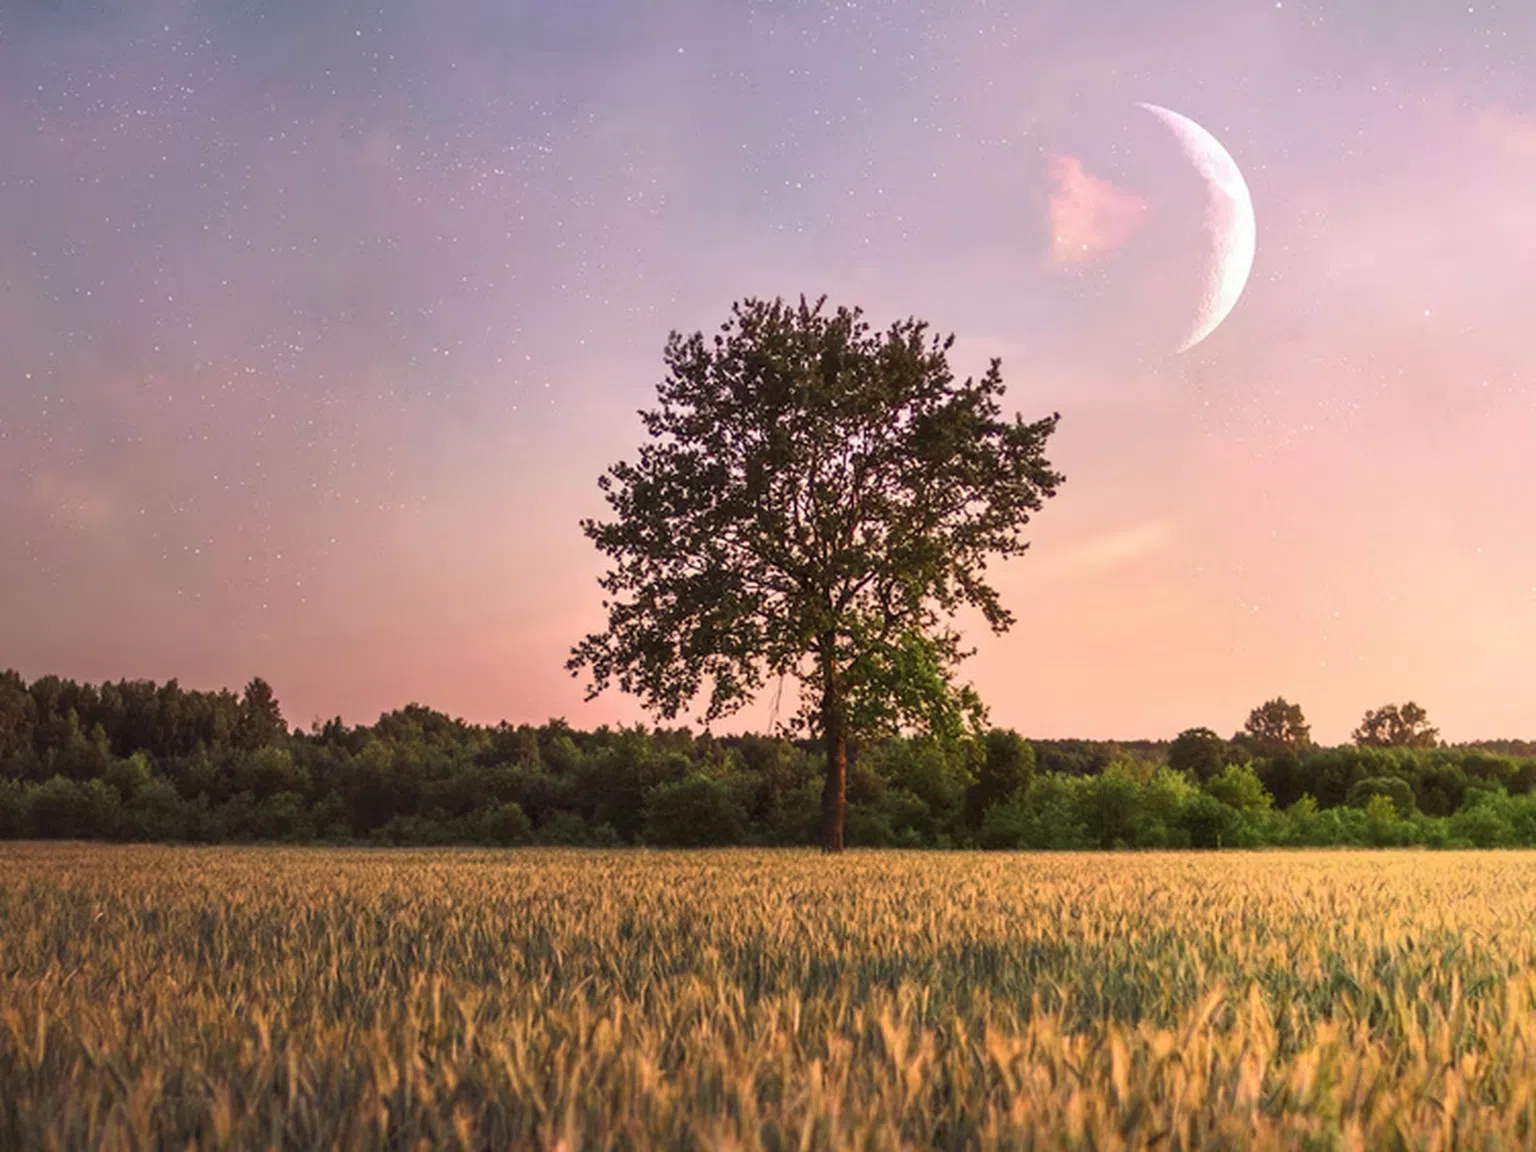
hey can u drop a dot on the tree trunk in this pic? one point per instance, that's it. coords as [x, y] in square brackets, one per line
[834, 796]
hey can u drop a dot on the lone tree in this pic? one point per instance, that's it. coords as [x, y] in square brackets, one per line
[1394, 727]
[817, 502]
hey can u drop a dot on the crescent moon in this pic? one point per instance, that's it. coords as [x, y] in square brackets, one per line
[1228, 218]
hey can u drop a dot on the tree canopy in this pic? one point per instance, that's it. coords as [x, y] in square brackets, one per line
[817, 502]
[1198, 751]
[1277, 726]
[1391, 726]
[135, 760]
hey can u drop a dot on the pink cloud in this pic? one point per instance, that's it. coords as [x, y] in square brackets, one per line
[1089, 216]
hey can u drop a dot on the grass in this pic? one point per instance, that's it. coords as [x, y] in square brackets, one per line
[254, 998]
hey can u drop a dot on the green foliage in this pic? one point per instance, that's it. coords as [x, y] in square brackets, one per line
[1240, 788]
[1485, 821]
[1285, 776]
[1047, 815]
[1277, 726]
[1111, 808]
[165, 764]
[1209, 823]
[504, 824]
[284, 817]
[1396, 727]
[1384, 823]
[1163, 799]
[563, 830]
[1398, 793]
[1007, 766]
[1199, 752]
[156, 812]
[898, 818]
[261, 722]
[695, 812]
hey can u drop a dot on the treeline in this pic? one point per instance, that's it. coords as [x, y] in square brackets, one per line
[139, 761]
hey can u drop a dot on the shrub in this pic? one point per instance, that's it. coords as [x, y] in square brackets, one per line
[1051, 813]
[1240, 788]
[505, 824]
[284, 816]
[1112, 807]
[1397, 791]
[14, 810]
[1384, 826]
[60, 810]
[563, 830]
[157, 812]
[1483, 823]
[1209, 823]
[695, 812]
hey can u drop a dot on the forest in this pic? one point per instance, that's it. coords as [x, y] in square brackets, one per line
[140, 761]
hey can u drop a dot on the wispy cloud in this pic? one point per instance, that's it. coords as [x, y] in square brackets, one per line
[73, 501]
[1110, 551]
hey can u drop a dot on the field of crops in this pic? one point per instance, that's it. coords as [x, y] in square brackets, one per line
[151, 997]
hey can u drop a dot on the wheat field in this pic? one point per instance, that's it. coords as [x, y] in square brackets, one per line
[314, 998]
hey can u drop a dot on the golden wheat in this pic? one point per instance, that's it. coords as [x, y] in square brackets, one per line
[254, 998]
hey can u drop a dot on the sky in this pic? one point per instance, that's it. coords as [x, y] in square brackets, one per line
[318, 323]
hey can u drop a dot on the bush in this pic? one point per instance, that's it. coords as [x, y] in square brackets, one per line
[130, 775]
[1111, 805]
[505, 824]
[284, 816]
[911, 820]
[1384, 825]
[797, 817]
[14, 810]
[695, 812]
[563, 830]
[867, 826]
[156, 812]
[1239, 788]
[1050, 814]
[1483, 823]
[1163, 798]
[1397, 791]
[414, 830]
[1209, 823]
[1004, 827]
[60, 810]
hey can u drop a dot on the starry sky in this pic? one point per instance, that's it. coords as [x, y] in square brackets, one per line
[318, 322]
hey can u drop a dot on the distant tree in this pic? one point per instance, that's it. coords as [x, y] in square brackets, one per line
[1111, 803]
[1007, 766]
[1198, 751]
[1391, 726]
[816, 502]
[18, 718]
[1286, 776]
[1277, 726]
[261, 720]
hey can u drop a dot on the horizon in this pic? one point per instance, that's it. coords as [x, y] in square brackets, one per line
[322, 327]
